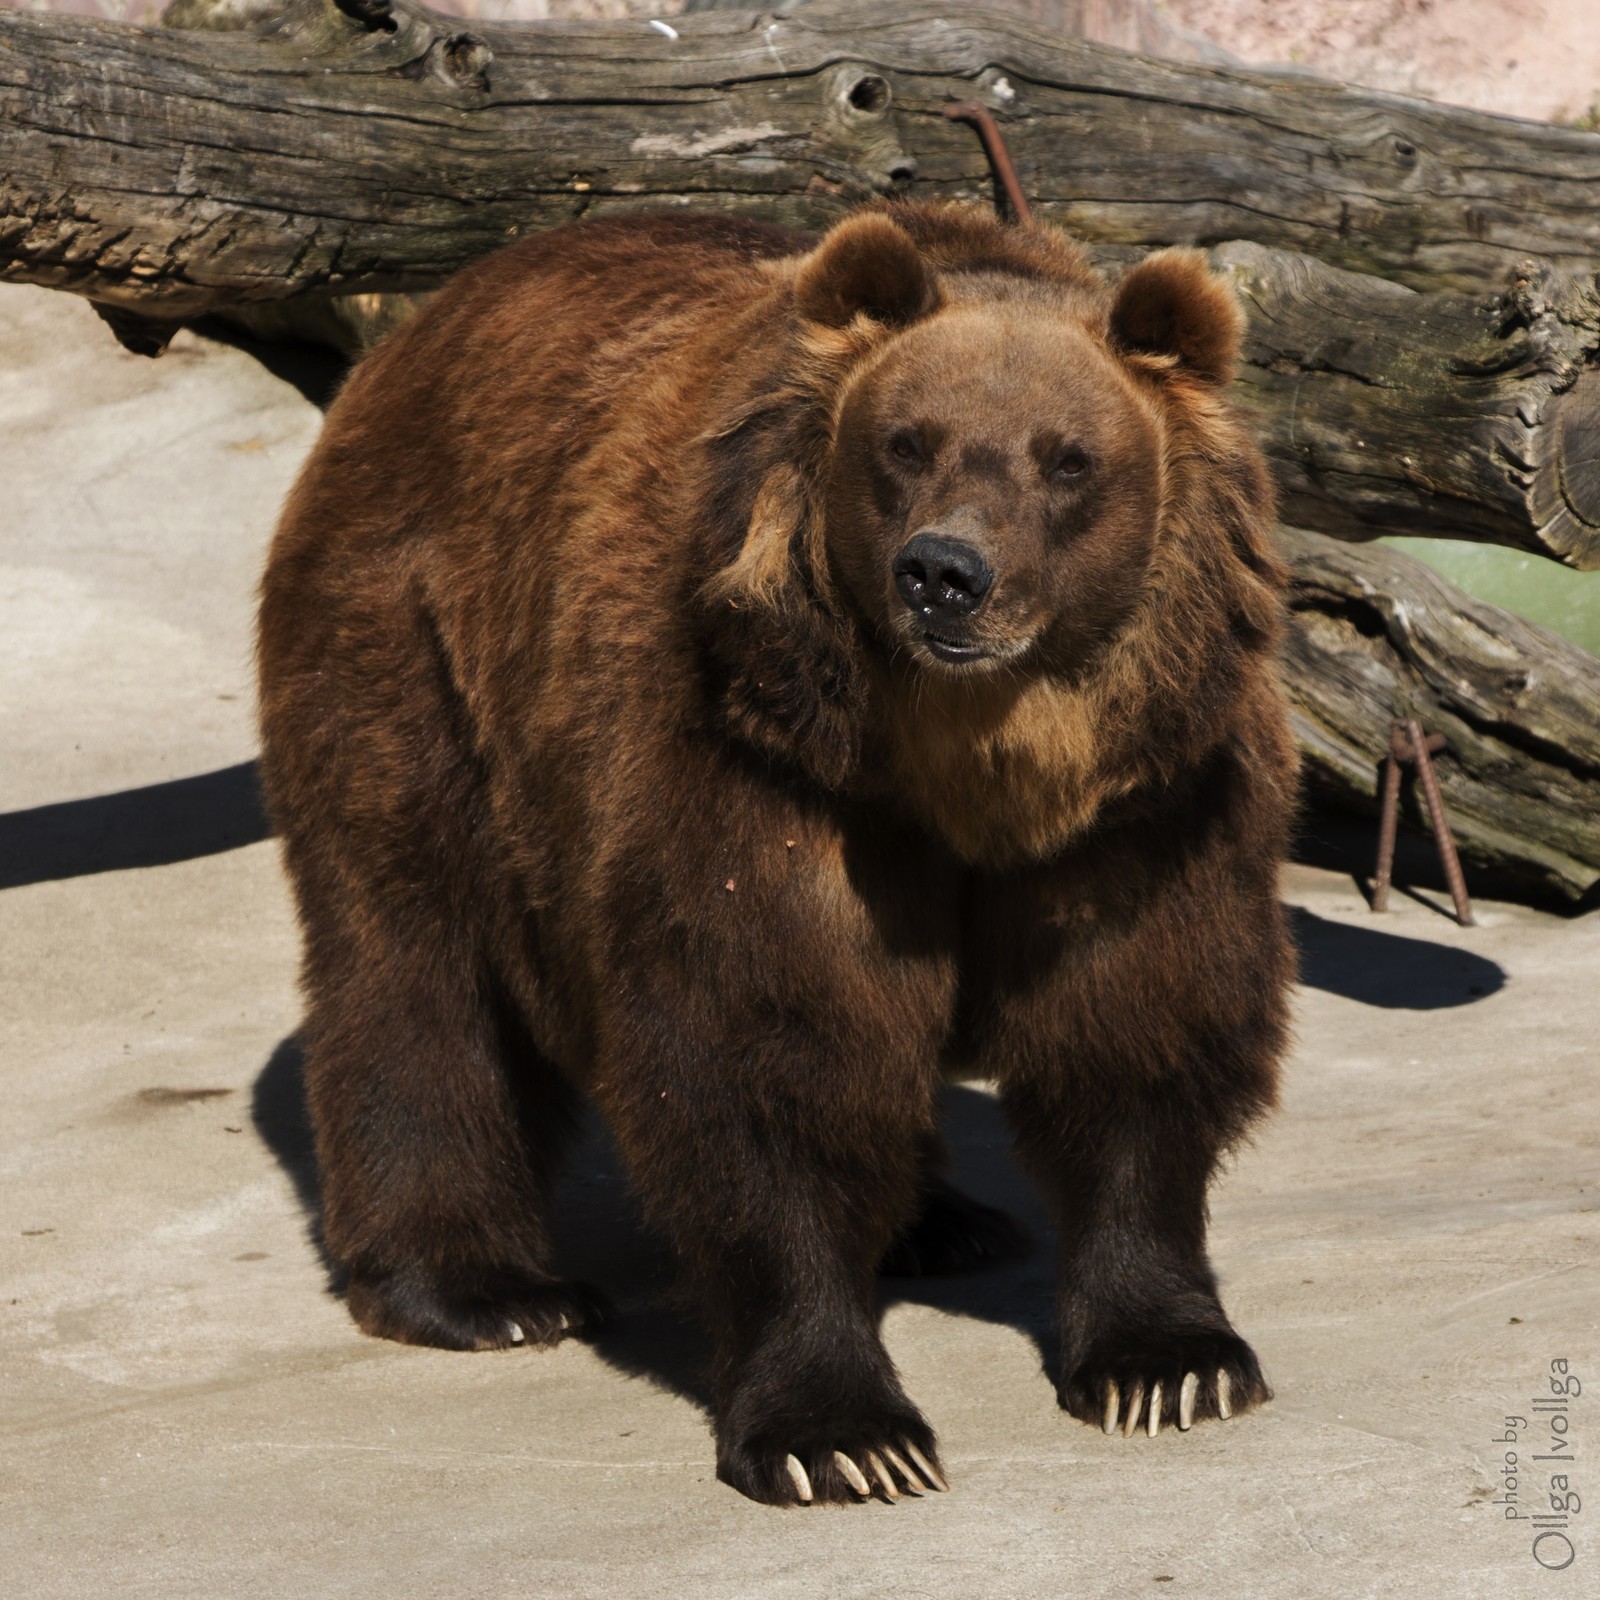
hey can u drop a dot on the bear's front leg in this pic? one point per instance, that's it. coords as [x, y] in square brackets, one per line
[808, 1403]
[778, 983]
[1130, 1061]
[781, 1185]
[1145, 1342]
[772, 1089]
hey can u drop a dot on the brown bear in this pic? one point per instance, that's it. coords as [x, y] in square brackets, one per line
[741, 680]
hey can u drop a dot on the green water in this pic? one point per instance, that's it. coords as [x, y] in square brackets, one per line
[1534, 587]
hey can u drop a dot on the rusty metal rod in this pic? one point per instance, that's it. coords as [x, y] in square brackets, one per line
[1407, 744]
[994, 147]
[1442, 836]
[1388, 826]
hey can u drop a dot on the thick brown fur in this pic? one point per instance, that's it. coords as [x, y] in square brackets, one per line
[610, 763]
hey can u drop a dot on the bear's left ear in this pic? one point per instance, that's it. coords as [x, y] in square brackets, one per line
[1172, 304]
[866, 264]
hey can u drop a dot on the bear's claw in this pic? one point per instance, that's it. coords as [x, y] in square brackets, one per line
[882, 1472]
[797, 1476]
[888, 1473]
[852, 1474]
[1158, 1378]
[912, 1482]
[927, 1469]
[1191, 1386]
[1135, 1406]
[494, 1311]
[1154, 1414]
[1113, 1405]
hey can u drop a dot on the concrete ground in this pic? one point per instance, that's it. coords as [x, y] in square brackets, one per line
[185, 1411]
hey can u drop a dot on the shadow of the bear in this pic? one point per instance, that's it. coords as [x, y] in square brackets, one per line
[154, 825]
[602, 1238]
[316, 371]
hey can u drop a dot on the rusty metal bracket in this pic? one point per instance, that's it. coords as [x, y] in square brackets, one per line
[994, 147]
[1408, 744]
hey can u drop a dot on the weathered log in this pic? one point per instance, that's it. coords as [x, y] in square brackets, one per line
[176, 171]
[1377, 635]
[173, 171]
[1141, 26]
[1453, 415]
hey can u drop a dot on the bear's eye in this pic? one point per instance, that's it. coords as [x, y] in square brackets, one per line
[907, 449]
[1068, 465]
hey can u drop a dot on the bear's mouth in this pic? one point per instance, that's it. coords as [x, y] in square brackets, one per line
[955, 652]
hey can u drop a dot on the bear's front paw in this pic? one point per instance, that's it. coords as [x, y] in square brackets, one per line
[843, 1462]
[488, 1311]
[1157, 1378]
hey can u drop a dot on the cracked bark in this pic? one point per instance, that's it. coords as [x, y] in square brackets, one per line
[1455, 415]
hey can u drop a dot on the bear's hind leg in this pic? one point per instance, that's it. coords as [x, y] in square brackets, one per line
[952, 1233]
[438, 1128]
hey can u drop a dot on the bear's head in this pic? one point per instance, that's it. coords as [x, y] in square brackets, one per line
[1006, 532]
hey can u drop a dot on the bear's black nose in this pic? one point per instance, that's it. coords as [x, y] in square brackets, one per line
[942, 579]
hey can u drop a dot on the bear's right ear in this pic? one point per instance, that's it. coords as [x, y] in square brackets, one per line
[1174, 306]
[868, 266]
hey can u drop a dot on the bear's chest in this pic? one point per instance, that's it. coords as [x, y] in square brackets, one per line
[1004, 777]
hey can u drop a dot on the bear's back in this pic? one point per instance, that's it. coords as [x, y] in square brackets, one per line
[503, 381]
